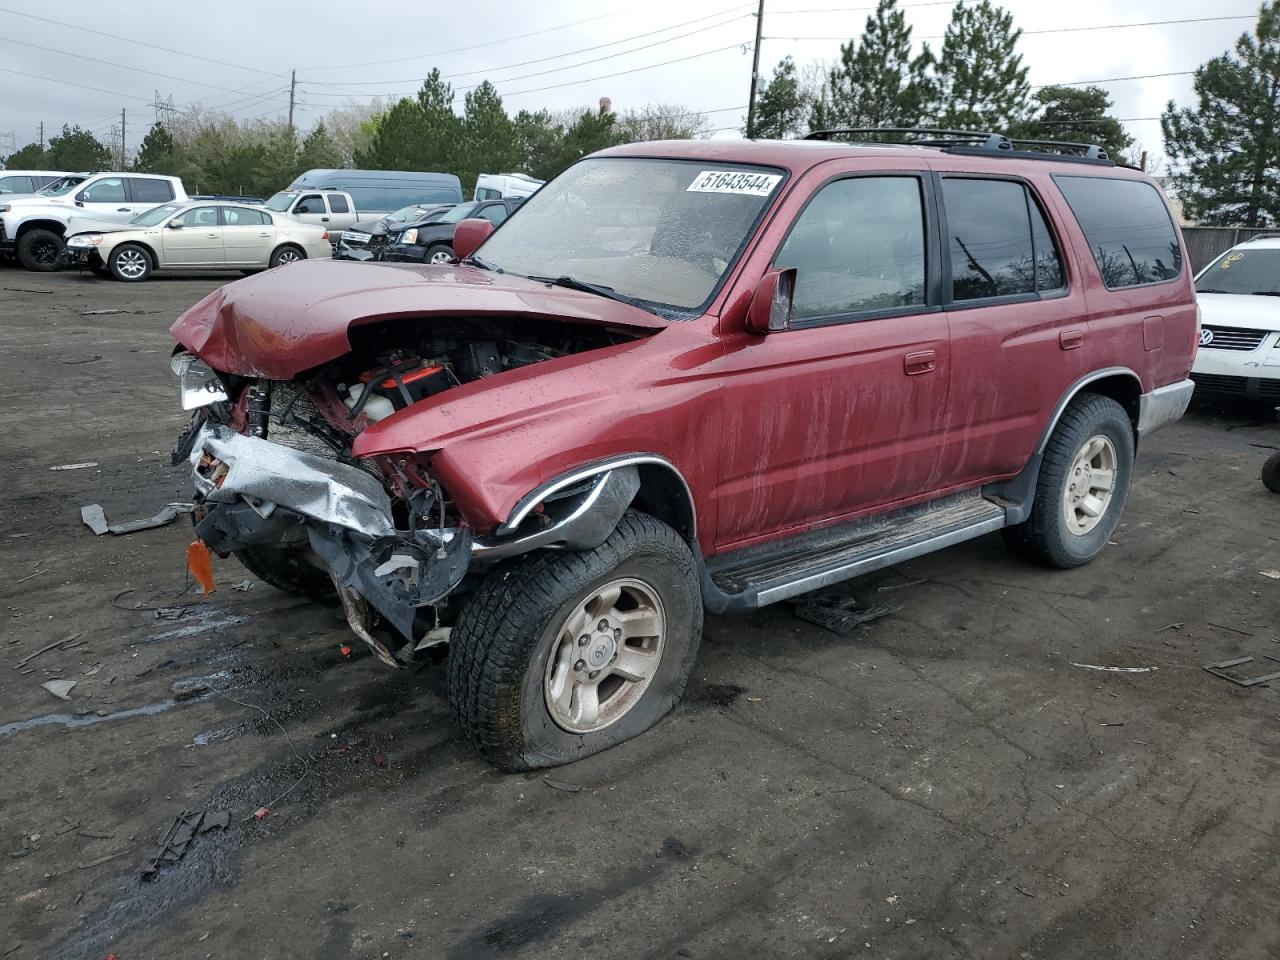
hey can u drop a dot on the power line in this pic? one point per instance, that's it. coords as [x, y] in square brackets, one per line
[69, 83]
[1105, 26]
[63, 25]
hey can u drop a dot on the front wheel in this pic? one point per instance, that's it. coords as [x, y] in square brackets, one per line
[1271, 473]
[286, 254]
[129, 263]
[287, 570]
[1083, 485]
[39, 250]
[439, 253]
[558, 656]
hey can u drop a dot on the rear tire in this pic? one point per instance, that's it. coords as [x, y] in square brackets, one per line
[514, 644]
[287, 570]
[286, 254]
[130, 263]
[1271, 473]
[39, 250]
[1083, 485]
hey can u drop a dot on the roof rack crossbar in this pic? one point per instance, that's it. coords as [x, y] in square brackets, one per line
[919, 136]
[1090, 151]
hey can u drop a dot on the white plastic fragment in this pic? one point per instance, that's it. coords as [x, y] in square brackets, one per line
[60, 688]
[75, 466]
[1094, 666]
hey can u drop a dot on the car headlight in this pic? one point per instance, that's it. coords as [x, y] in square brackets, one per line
[85, 240]
[200, 386]
[409, 236]
[5, 207]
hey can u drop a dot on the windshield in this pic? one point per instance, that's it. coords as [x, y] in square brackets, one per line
[460, 212]
[281, 201]
[156, 215]
[404, 213]
[1244, 271]
[60, 187]
[662, 231]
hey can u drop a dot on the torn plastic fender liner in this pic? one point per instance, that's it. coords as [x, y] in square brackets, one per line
[325, 490]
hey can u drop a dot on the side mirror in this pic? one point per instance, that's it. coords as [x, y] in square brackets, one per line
[174, 224]
[468, 235]
[770, 309]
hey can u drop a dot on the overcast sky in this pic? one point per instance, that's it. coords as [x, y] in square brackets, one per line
[248, 50]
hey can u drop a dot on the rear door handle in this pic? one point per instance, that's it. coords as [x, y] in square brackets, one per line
[922, 361]
[1071, 339]
[212, 236]
[264, 234]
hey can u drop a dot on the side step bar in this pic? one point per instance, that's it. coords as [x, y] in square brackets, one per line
[758, 576]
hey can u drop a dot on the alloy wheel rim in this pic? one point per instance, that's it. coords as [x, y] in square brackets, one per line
[440, 257]
[131, 263]
[604, 655]
[1090, 485]
[286, 256]
[45, 251]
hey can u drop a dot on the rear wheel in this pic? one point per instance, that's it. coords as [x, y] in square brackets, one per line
[129, 263]
[1271, 473]
[39, 250]
[286, 254]
[1083, 485]
[559, 655]
[287, 570]
[439, 253]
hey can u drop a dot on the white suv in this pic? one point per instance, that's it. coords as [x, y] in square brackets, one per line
[34, 226]
[1239, 296]
[19, 182]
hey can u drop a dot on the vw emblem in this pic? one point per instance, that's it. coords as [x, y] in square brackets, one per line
[1206, 337]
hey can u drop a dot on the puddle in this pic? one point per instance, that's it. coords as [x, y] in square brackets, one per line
[71, 720]
[191, 630]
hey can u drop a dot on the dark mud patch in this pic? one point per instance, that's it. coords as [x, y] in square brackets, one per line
[702, 693]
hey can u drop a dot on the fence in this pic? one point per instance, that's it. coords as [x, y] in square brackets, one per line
[1206, 244]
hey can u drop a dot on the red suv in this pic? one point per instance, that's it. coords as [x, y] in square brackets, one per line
[688, 375]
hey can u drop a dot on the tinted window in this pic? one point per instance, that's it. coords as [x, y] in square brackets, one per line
[488, 193]
[150, 191]
[494, 213]
[17, 185]
[858, 245]
[1049, 272]
[1128, 228]
[338, 203]
[110, 190]
[202, 217]
[243, 217]
[989, 233]
[311, 203]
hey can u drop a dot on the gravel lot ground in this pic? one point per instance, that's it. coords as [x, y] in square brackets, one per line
[944, 784]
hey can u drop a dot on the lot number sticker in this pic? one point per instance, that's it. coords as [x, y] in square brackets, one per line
[728, 181]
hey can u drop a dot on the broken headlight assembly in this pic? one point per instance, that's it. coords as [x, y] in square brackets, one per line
[199, 385]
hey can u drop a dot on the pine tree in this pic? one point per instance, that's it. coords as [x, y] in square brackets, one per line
[419, 134]
[1226, 151]
[30, 157]
[76, 149]
[877, 83]
[981, 81]
[781, 106]
[157, 153]
[319, 151]
[1077, 115]
[488, 142]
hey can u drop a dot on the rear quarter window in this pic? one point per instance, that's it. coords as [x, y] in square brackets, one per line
[1130, 232]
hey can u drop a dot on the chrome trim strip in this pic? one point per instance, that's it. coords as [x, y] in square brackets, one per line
[868, 564]
[530, 500]
[1075, 388]
[1163, 405]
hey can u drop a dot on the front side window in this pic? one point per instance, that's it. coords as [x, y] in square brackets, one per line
[1128, 227]
[495, 213]
[311, 203]
[108, 190]
[201, 217]
[146, 190]
[660, 231]
[1244, 272]
[858, 246]
[338, 203]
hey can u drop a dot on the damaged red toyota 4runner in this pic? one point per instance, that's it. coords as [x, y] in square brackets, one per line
[706, 374]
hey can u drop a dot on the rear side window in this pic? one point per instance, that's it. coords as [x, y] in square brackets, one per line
[858, 246]
[17, 184]
[150, 191]
[1128, 227]
[242, 216]
[338, 203]
[999, 241]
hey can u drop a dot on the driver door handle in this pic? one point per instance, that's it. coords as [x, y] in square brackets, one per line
[324, 219]
[922, 361]
[124, 209]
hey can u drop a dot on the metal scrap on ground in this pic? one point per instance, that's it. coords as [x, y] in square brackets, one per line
[1220, 668]
[177, 838]
[96, 520]
[838, 613]
[1095, 666]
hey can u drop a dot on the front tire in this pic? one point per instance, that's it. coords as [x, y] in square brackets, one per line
[129, 263]
[529, 693]
[1271, 473]
[286, 254]
[1083, 485]
[39, 250]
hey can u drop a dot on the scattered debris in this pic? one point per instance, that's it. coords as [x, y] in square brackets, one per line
[1220, 668]
[562, 785]
[1025, 893]
[45, 649]
[96, 520]
[1094, 666]
[26, 290]
[1223, 626]
[75, 363]
[1273, 574]
[200, 563]
[75, 466]
[261, 813]
[1171, 626]
[60, 688]
[177, 838]
[95, 836]
[755, 699]
[838, 613]
[243, 585]
[101, 860]
[31, 577]
[99, 313]
[1112, 723]
[886, 587]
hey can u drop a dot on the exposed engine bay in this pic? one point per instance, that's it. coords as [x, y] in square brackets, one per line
[274, 471]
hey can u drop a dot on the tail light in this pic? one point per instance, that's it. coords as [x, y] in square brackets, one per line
[325, 235]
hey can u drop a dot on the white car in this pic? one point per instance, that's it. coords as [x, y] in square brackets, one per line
[24, 182]
[1239, 296]
[196, 234]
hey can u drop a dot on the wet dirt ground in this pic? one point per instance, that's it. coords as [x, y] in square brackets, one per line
[946, 783]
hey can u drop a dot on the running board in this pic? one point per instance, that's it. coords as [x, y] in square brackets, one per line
[758, 576]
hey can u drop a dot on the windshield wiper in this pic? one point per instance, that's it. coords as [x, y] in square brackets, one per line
[573, 283]
[475, 261]
[1266, 293]
[1210, 291]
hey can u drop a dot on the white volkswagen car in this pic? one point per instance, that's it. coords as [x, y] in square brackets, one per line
[1239, 296]
[197, 235]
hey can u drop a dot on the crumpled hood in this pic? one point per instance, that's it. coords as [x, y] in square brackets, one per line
[284, 321]
[90, 225]
[1239, 310]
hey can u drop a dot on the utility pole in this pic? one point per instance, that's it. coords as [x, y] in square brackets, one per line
[755, 74]
[293, 86]
[122, 138]
[41, 134]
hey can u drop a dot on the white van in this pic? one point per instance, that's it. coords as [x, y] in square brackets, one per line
[499, 186]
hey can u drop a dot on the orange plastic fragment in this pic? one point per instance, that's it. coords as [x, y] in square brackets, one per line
[200, 563]
[346, 650]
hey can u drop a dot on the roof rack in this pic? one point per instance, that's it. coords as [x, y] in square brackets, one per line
[1265, 235]
[977, 142]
